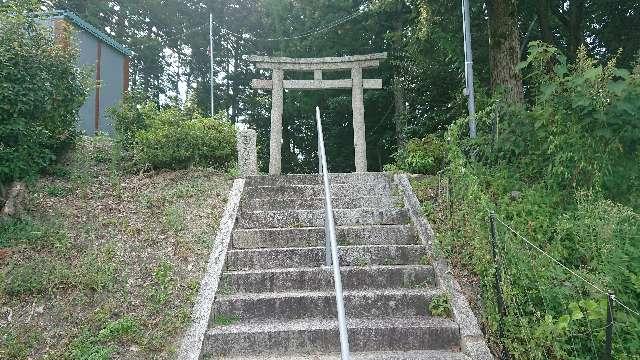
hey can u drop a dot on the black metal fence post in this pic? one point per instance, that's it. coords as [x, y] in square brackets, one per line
[450, 194]
[502, 311]
[494, 127]
[609, 333]
[439, 185]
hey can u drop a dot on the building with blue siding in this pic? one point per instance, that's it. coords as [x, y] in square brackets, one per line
[109, 62]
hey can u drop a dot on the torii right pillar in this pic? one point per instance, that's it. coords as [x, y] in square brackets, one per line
[357, 103]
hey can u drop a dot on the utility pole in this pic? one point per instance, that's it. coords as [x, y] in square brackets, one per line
[468, 68]
[211, 59]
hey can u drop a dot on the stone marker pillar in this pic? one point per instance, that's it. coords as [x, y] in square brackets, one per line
[275, 144]
[357, 103]
[247, 152]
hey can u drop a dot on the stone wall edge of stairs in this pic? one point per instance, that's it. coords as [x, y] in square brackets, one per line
[472, 339]
[193, 338]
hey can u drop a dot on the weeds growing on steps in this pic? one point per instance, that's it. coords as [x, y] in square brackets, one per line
[225, 319]
[440, 306]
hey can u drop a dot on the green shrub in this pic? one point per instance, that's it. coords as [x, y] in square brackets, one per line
[129, 116]
[582, 131]
[199, 141]
[567, 155]
[422, 156]
[41, 90]
[172, 139]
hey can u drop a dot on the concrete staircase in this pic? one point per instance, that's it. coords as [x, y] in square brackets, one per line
[276, 299]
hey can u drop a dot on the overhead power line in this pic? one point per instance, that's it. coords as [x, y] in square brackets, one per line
[315, 31]
[252, 37]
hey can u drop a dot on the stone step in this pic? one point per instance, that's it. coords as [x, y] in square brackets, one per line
[371, 355]
[322, 304]
[315, 218]
[321, 279]
[251, 259]
[309, 336]
[316, 179]
[317, 203]
[315, 236]
[317, 191]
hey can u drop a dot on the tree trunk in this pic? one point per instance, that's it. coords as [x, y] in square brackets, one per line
[234, 90]
[399, 106]
[576, 17]
[178, 74]
[398, 89]
[504, 52]
[544, 14]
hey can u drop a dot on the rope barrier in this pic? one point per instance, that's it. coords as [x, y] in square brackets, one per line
[615, 299]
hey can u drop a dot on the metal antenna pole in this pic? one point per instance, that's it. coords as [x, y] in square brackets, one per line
[211, 58]
[468, 68]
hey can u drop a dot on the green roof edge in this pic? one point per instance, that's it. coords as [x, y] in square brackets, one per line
[77, 20]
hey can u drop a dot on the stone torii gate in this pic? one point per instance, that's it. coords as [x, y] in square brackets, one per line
[357, 84]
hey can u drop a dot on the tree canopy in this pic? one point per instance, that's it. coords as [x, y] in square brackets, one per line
[423, 78]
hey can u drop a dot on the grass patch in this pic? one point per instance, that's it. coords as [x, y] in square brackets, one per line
[17, 345]
[163, 284]
[119, 329]
[28, 232]
[113, 270]
[37, 276]
[97, 270]
[427, 208]
[225, 319]
[87, 347]
[174, 219]
[101, 345]
[57, 191]
[40, 275]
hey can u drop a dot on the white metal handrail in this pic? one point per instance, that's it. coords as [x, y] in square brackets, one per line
[331, 244]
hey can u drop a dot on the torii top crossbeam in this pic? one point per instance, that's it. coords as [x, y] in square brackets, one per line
[356, 83]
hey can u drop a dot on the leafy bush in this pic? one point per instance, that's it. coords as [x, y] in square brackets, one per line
[582, 132]
[569, 154]
[422, 156]
[41, 90]
[171, 138]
